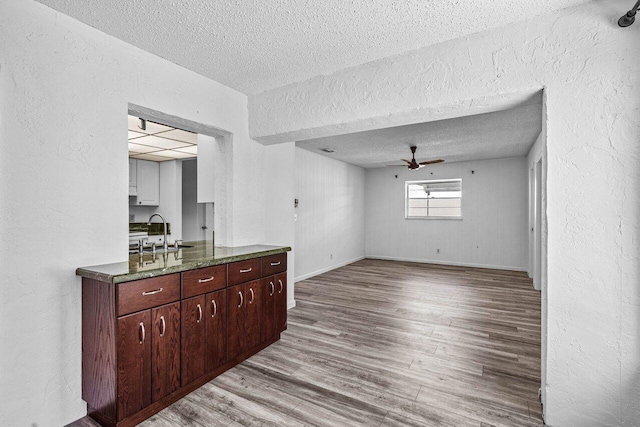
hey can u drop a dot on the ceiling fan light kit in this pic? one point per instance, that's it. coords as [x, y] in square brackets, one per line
[629, 17]
[413, 164]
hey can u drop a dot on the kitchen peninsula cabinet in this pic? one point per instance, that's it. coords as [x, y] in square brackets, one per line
[244, 317]
[150, 337]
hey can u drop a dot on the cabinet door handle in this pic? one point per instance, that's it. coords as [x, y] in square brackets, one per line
[241, 299]
[215, 308]
[273, 264]
[199, 314]
[246, 270]
[163, 326]
[251, 291]
[272, 288]
[142, 333]
[147, 293]
[281, 286]
[206, 280]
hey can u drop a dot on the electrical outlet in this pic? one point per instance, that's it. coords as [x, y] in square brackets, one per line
[437, 251]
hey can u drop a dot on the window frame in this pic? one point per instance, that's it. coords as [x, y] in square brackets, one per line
[422, 181]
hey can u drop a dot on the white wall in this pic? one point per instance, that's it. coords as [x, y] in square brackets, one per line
[491, 233]
[329, 231]
[278, 186]
[590, 69]
[66, 88]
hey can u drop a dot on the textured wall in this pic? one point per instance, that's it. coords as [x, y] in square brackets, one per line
[64, 168]
[279, 187]
[492, 232]
[329, 231]
[591, 71]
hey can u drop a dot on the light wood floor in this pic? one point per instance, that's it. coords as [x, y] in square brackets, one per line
[385, 343]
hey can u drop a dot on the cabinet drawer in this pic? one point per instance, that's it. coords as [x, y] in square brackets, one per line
[203, 280]
[274, 264]
[244, 271]
[146, 293]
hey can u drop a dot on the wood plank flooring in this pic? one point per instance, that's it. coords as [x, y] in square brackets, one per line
[386, 343]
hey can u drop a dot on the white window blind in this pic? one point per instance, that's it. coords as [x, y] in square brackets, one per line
[433, 199]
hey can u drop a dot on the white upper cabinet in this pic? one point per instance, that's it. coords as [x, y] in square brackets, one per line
[133, 173]
[148, 183]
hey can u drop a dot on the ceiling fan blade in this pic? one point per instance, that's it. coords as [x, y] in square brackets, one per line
[431, 162]
[407, 161]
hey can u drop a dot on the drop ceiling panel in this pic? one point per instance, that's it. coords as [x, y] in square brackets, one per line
[137, 148]
[163, 143]
[159, 147]
[174, 154]
[181, 135]
[192, 149]
[151, 157]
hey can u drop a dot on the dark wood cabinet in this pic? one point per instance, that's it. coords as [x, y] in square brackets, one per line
[274, 306]
[216, 330]
[193, 338]
[165, 350]
[244, 315]
[134, 363]
[148, 357]
[281, 302]
[146, 343]
[268, 324]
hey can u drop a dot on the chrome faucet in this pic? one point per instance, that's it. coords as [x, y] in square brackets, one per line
[165, 245]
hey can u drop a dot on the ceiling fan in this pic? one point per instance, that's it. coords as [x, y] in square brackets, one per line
[412, 164]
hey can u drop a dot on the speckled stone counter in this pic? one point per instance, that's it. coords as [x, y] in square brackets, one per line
[201, 254]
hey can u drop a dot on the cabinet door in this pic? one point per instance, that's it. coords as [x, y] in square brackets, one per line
[165, 343]
[132, 177]
[253, 295]
[193, 333]
[281, 302]
[216, 330]
[235, 318]
[268, 325]
[134, 363]
[148, 180]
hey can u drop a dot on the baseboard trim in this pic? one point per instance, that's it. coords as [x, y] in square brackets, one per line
[457, 264]
[324, 270]
[291, 304]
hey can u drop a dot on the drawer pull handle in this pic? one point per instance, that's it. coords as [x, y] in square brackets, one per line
[215, 308]
[272, 290]
[142, 333]
[241, 299]
[251, 291]
[246, 270]
[206, 280]
[157, 291]
[273, 264]
[163, 326]
[199, 314]
[281, 286]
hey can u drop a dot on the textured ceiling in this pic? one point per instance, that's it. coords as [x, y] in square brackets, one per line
[507, 133]
[257, 45]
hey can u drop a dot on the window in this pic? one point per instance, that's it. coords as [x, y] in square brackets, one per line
[433, 199]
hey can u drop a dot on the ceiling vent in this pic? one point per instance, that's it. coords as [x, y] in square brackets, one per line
[327, 150]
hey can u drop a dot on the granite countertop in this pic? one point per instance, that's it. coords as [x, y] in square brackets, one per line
[202, 254]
